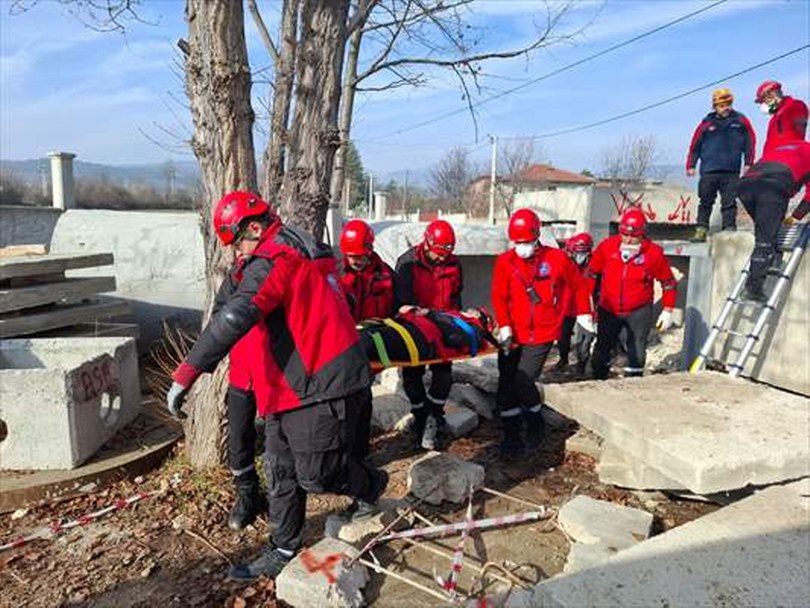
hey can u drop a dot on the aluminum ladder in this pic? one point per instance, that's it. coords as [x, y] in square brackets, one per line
[791, 238]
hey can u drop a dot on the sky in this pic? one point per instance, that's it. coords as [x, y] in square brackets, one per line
[118, 98]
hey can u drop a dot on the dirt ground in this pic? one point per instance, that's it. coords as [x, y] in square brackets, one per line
[174, 549]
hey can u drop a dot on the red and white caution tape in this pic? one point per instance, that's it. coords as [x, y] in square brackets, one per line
[451, 583]
[477, 524]
[57, 527]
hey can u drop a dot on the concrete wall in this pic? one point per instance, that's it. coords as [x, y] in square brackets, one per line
[564, 203]
[785, 360]
[26, 225]
[159, 259]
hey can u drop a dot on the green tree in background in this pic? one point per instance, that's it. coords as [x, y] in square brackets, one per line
[357, 180]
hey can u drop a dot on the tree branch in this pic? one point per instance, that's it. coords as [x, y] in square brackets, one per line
[272, 49]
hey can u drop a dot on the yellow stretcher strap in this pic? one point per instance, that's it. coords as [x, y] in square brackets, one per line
[413, 351]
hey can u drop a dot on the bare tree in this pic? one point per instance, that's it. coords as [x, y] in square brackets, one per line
[451, 177]
[630, 161]
[513, 159]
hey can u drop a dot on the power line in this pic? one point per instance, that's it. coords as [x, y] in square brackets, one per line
[560, 70]
[668, 99]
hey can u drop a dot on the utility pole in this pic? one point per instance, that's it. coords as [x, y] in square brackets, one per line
[492, 178]
[370, 196]
[405, 197]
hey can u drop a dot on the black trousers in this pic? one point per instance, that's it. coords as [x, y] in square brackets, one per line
[518, 372]
[637, 326]
[766, 202]
[241, 407]
[440, 383]
[582, 346]
[311, 449]
[709, 186]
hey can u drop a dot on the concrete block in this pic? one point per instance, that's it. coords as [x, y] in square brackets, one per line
[599, 522]
[584, 442]
[356, 532]
[317, 577]
[708, 432]
[61, 399]
[484, 377]
[459, 420]
[585, 555]
[439, 476]
[390, 379]
[617, 468]
[388, 410]
[468, 395]
[751, 553]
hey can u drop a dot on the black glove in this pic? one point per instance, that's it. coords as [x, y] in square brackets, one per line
[175, 399]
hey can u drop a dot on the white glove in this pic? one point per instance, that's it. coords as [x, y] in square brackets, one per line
[504, 337]
[586, 323]
[665, 321]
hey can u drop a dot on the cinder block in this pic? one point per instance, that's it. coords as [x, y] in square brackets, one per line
[61, 399]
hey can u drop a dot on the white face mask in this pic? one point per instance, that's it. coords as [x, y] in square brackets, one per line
[629, 250]
[765, 108]
[581, 258]
[525, 250]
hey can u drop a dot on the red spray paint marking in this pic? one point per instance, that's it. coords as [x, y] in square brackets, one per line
[327, 565]
[682, 209]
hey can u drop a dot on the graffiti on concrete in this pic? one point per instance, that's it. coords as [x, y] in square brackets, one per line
[680, 213]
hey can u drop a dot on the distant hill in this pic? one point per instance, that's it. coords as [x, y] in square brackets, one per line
[185, 174]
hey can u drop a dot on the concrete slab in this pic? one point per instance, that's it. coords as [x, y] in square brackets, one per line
[318, 578]
[752, 553]
[466, 394]
[84, 391]
[617, 468]
[599, 522]
[440, 476]
[707, 431]
[356, 532]
[584, 442]
[484, 377]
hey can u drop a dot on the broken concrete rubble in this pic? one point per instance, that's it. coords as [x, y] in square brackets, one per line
[708, 432]
[751, 553]
[617, 468]
[355, 532]
[603, 527]
[474, 398]
[459, 420]
[484, 377]
[317, 577]
[439, 476]
[389, 410]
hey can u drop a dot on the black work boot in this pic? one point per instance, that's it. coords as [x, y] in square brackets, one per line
[562, 364]
[512, 441]
[367, 508]
[270, 564]
[535, 429]
[420, 416]
[250, 501]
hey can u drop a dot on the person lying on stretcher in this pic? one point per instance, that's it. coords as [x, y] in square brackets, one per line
[420, 335]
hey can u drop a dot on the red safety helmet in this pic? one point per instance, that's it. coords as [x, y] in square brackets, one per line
[232, 209]
[633, 222]
[440, 237]
[524, 226]
[579, 243]
[357, 238]
[766, 87]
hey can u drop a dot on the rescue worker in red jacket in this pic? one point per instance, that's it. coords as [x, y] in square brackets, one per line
[532, 287]
[627, 264]
[309, 372]
[765, 191]
[788, 122]
[429, 277]
[578, 248]
[367, 280]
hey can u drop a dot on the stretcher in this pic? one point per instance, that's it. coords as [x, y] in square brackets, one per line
[394, 342]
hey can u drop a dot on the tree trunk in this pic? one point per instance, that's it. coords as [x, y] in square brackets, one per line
[345, 120]
[273, 158]
[314, 135]
[218, 88]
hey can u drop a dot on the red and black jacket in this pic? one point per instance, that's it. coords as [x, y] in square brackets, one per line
[434, 285]
[370, 291]
[786, 168]
[533, 296]
[305, 348]
[787, 125]
[626, 286]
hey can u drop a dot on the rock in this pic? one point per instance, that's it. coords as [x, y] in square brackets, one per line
[617, 468]
[388, 410]
[584, 555]
[459, 420]
[592, 521]
[361, 531]
[317, 577]
[484, 377]
[474, 398]
[585, 442]
[390, 379]
[437, 476]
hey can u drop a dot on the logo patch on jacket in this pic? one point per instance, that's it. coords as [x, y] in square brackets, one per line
[544, 269]
[639, 260]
